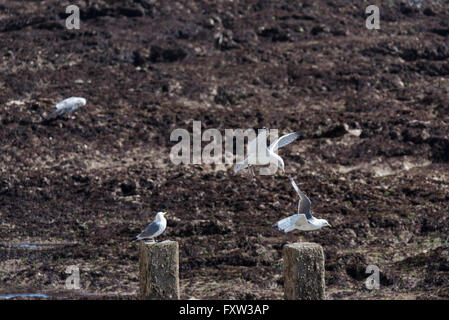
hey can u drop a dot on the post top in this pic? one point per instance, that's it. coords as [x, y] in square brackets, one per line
[159, 243]
[303, 245]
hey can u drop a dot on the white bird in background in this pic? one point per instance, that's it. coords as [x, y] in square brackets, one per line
[154, 229]
[303, 220]
[271, 155]
[68, 106]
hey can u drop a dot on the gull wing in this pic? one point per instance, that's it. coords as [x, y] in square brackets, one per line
[284, 140]
[302, 220]
[288, 224]
[67, 103]
[304, 202]
[63, 105]
[150, 230]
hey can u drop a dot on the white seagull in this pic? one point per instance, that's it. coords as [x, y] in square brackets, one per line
[154, 229]
[68, 106]
[303, 220]
[271, 155]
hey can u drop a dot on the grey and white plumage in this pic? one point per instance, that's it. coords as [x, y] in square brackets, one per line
[68, 106]
[303, 220]
[154, 229]
[253, 157]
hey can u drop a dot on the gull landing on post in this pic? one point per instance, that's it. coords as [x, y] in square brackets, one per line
[255, 158]
[303, 220]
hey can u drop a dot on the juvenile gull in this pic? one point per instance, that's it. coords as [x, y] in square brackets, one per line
[68, 106]
[303, 220]
[271, 155]
[154, 229]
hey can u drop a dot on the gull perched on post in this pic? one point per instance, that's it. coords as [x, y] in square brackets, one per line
[154, 229]
[68, 106]
[303, 220]
[254, 156]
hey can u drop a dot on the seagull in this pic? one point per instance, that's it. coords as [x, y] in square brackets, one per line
[271, 154]
[68, 106]
[154, 229]
[303, 220]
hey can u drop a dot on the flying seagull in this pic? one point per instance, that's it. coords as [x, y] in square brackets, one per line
[303, 220]
[271, 155]
[154, 229]
[68, 106]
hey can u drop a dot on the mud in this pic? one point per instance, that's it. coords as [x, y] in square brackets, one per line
[372, 106]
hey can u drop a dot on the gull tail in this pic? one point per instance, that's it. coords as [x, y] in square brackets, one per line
[286, 224]
[57, 113]
[54, 114]
[50, 117]
[241, 165]
[136, 238]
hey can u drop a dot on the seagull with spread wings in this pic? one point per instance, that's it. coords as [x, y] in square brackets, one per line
[254, 157]
[303, 220]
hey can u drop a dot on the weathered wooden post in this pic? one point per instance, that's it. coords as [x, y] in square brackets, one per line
[159, 270]
[303, 271]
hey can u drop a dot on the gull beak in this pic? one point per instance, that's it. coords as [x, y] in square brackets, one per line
[165, 213]
[330, 225]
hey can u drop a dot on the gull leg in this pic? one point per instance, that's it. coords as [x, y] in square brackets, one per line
[251, 171]
[72, 109]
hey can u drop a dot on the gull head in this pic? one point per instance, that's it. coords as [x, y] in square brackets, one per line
[75, 101]
[160, 216]
[82, 101]
[324, 223]
[281, 164]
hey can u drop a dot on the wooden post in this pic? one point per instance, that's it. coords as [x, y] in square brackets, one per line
[159, 270]
[303, 271]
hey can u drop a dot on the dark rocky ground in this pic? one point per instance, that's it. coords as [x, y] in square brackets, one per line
[372, 105]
